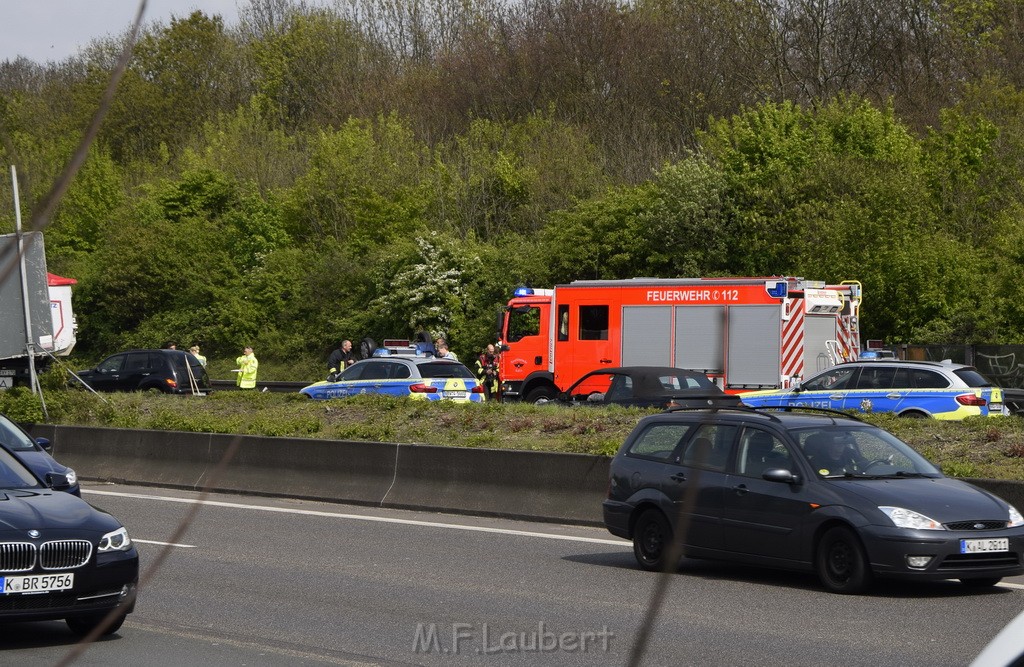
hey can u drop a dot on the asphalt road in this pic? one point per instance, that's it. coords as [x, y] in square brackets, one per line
[258, 581]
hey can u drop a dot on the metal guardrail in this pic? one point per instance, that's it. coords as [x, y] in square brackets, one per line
[277, 387]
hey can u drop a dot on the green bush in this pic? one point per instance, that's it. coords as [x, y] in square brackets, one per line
[21, 405]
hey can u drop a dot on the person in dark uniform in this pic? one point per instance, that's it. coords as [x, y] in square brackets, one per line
[340, 359]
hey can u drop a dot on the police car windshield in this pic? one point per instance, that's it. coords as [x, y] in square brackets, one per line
[440, 369]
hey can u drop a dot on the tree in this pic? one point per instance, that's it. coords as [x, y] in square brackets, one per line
[180, 75]
[501, 178]
[364, 184]
[426, 287]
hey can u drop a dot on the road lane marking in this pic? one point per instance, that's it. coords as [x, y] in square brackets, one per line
[164, 544]
[362, 517]
[259, 645]
[1006, 584]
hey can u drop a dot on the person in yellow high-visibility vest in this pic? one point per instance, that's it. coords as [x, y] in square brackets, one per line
[247, 365]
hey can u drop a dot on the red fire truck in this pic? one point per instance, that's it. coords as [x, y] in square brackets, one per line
[744, 333]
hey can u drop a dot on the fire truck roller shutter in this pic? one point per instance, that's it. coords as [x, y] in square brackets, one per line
[700, 338]
[754, 346]
[646, 335]
[818, 330]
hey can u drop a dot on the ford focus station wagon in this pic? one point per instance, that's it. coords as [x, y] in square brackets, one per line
[822, 492]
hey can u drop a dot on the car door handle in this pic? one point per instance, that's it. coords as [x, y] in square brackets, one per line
[835, 397]
[678, 477]
[892, 395]
[740, 489]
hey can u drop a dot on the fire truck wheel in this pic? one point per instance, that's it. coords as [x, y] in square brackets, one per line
[540, 393]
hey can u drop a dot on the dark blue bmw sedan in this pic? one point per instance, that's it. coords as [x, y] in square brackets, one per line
[61, 558]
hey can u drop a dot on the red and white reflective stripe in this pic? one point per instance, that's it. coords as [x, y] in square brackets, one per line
[847, 338]
[793, 339]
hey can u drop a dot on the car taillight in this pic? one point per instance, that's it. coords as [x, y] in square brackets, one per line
[171, 383]
[477, 390]
[970, 399]
[421, 388]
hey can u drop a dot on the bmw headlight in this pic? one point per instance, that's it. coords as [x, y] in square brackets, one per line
[117, 540]
[72, 476]
[1015, 518]
[904, 518]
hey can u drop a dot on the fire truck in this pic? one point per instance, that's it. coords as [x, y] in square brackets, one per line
[743, 333]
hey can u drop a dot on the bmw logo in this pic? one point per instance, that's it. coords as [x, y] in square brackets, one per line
[33, 533]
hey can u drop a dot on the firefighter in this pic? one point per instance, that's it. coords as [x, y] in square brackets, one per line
[247, 366]
[339, 360]
[487, 372]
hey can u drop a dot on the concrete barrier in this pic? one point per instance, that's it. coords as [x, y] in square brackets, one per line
[531, 485]
[527, 485]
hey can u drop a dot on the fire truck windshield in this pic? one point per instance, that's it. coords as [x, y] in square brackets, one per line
[523, 321]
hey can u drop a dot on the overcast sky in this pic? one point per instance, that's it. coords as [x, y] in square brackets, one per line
[43, 30]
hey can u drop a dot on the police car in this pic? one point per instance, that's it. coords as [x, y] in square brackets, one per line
[942, 390]
[399, 368]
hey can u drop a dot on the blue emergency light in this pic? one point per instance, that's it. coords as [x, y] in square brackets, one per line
[777, 289]
[523, 291]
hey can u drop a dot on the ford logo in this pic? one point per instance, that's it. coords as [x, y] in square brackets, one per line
[33, 533]
[979, 526]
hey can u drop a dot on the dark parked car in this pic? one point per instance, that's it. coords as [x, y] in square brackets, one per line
[60, 558]
[35, 454]
[805, 490]
[168, 371]
[646, 387]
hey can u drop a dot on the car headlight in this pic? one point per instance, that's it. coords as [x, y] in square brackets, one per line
[1015, 518]
[904, 518]
[117, 540]
[72, 476]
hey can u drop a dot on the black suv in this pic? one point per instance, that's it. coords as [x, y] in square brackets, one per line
[169, 371]
[813, 490]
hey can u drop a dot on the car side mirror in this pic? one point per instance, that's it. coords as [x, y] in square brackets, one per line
[781, 475]
[45, 444]
[503, 347]
[57, 481]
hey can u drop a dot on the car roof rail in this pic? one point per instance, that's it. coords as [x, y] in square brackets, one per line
[807, 408]
[724, 408]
